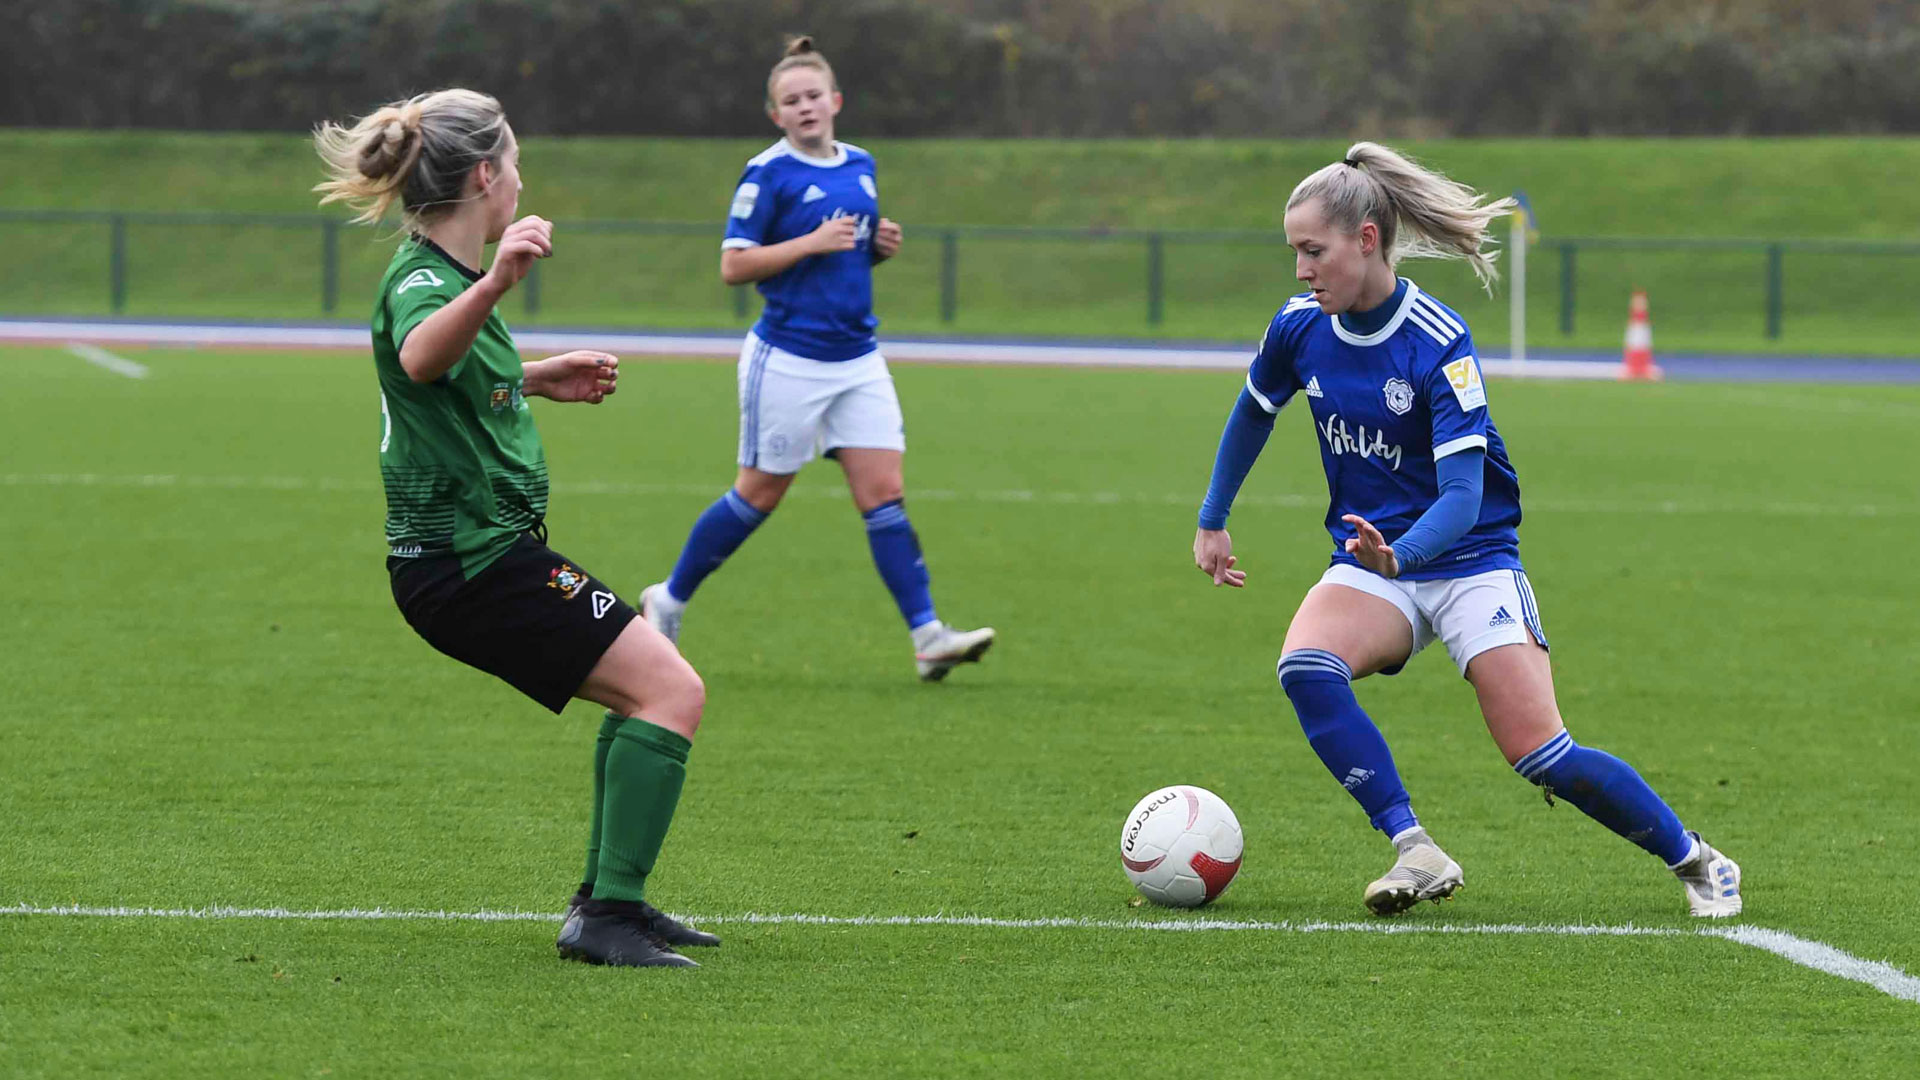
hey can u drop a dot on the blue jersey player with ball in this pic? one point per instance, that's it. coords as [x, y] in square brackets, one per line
[1411, 453]
[805, 225]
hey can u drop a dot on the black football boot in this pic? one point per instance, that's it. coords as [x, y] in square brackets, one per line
[676, 933]
[617, 933]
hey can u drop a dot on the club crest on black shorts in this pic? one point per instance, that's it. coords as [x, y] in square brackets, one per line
[507, 621]
[568, 580]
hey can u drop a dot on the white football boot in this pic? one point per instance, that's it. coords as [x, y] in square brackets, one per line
[939, 648]
[1422, 872]
[662, 611]
[1712, 881]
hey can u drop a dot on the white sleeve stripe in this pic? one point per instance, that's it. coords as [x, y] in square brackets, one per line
[1454, 446]
[738, 242]
[1414, 316]
[1439, 313]
[1432, 320]
[1444, 316]
[1265, 402]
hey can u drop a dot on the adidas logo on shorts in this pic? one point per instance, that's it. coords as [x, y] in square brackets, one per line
[1500, 618]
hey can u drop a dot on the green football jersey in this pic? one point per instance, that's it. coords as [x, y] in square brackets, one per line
[461, 461]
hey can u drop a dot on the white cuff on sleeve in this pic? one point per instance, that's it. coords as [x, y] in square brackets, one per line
[737, 242]
[1454, 446]
[1264, 401]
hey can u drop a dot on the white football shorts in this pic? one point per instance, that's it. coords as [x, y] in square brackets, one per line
[1470, 614]
[792, 408]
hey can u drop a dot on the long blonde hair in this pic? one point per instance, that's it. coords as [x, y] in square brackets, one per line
[417, 152]
[800, 54]
[1421, 213]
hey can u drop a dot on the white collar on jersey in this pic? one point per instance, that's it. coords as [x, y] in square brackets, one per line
[1385, 332]
[839, 154]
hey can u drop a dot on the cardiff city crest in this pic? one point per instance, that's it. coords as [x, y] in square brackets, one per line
[1399, 396]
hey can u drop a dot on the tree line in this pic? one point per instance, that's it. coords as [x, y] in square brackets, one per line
[1073, 68]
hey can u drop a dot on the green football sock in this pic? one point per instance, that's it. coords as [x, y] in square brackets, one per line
[607, 727]
[645, 767]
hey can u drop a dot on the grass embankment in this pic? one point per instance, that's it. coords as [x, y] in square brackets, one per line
[1726, 188]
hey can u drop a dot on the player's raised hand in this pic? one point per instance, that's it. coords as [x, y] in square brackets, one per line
[1371, 548]
[1213, 554]
[835, 234]
[525, 240]
[581, 375]
[886, 238]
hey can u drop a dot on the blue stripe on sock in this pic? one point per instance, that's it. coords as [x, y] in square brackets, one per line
[1300, 669]
[1300, 661]
[748, 513]
[1544, 756]
[885, 516]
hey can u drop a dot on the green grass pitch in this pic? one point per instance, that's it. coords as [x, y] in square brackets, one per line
[210, 700]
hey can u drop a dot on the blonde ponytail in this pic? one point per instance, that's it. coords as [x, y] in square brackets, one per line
[1421, 214]
[416, 152]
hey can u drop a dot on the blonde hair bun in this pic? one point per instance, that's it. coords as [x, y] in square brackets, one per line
[416, 153]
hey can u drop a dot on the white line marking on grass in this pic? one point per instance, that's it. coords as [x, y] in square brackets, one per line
[1146, 354]
[1059, 498]
[99, 357]
[1815, 955]
[1883, 977]
[1201, 925]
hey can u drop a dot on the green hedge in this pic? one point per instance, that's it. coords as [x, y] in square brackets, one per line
[985, 67]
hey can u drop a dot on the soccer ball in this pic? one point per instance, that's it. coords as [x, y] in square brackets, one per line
[1181, 846]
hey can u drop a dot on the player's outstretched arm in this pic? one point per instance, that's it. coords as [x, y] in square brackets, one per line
[744, 266]
[439, 342]
[581, 375]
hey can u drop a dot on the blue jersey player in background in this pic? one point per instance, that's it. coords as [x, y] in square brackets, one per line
[1411, 452]
[805, 224]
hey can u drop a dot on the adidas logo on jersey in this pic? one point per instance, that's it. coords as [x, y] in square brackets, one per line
[422, 276]
[814, 194]
[1313, 387]
[1500, 618]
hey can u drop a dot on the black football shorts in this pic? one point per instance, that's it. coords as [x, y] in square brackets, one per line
[533, 617]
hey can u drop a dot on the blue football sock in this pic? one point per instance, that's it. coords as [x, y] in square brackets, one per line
[1320, 685]
[896, 552]
[1607, 790]
[718, 533]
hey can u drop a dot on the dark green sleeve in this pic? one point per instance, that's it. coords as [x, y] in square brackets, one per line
[416, 295]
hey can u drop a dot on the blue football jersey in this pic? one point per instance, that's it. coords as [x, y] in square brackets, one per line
[822, 306]
[1386, 406]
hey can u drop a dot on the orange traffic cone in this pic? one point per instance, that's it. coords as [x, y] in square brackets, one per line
[1637, 361]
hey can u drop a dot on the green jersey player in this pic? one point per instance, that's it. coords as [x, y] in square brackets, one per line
[466, 483]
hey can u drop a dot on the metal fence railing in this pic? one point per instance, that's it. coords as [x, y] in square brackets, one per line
[1770, 257]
